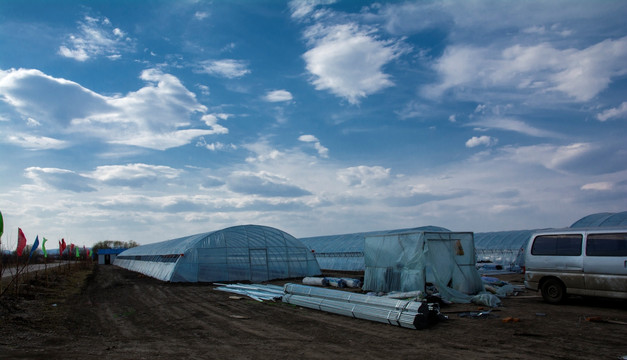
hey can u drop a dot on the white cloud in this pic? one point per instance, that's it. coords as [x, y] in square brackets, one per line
[322, 151]
[513, 125]
[228, 68]
[575, 158]
[360, 176]
[204, 89]
[32, 122]
[278, 96]
[211, 120]
[151, 117]
[201, 15]
[481, 140]
[96, 37]
[61, 179]
[133, 174]
[264, 184]
[303, 8]
[618, 112]
[539, 69]
[598, 186]
[220, 146]
[348, 61]
[308, 138]
[33, 142]
[263, 152]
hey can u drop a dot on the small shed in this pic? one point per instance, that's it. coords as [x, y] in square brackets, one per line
[107, 256]
[407, 262]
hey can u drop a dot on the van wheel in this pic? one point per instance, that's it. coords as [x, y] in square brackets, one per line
[553, 291]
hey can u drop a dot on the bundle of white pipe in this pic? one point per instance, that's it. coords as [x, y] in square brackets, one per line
[408, 314]
[319, 281]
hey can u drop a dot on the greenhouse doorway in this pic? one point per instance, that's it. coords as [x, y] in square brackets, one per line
[258, 264]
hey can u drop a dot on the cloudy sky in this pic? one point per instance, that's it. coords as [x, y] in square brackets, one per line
[149, 120]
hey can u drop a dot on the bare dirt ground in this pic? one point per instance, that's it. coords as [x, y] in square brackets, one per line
[117, 314]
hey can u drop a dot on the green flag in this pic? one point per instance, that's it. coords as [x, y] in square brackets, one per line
[43, 247]
[77, 253]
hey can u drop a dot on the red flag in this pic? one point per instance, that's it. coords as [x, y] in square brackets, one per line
[71, 249]
[21, 242]
[62, 247]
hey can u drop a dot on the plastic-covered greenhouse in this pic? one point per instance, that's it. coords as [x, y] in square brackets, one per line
[502, 247]
[407, 261]
[346, 252]
[602, 220]
[240, 253]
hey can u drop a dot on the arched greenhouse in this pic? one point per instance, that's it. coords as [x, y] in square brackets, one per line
[240, 253]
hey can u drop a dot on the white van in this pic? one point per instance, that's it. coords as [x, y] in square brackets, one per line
[589, 262]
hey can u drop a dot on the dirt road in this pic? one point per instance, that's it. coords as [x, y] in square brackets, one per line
[123, 315]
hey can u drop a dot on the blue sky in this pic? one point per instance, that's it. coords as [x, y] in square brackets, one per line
[149, 120]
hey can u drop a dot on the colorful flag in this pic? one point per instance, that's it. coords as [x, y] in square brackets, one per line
[43, 247]
[21, 241]
[35, 245]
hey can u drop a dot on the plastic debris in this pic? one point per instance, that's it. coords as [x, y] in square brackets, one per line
[405, 295]
[478, 314]
[258, 292]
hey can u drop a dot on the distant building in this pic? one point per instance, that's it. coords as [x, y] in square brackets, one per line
[107, 256]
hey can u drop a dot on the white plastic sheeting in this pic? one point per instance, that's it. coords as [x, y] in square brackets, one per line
[259, 292]
[406, 262]
[248, 252]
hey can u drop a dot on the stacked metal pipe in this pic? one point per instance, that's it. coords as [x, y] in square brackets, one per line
[407, 314]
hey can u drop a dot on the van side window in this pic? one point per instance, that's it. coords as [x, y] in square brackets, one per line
[607, 244]
[560, 245]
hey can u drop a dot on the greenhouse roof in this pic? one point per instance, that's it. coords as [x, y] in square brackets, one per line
[238, 253]
[605, 219]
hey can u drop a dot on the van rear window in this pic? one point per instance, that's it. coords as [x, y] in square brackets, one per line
[557, 245]
[607, 244]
